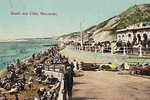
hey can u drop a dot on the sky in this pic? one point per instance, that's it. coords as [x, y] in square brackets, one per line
[69, 15]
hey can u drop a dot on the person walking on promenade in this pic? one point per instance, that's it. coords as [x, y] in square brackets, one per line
[68, 83]
[66, 63]
[75, 64]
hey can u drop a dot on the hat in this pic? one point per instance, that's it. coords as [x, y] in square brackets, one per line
[41, 88]
[68, 68]
[36, 99]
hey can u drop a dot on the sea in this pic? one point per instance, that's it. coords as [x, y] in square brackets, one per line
[11, 51]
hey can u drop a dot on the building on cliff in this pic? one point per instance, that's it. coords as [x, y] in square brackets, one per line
[137, 32]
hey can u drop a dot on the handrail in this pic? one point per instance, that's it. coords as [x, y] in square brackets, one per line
[60, 77]
[124, 50]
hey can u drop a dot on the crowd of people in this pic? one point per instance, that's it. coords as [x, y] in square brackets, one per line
[92, 46]
[23, 76]
[131, 47]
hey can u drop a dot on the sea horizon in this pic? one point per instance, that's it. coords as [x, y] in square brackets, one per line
[13, 50]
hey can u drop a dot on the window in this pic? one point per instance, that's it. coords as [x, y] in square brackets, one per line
[129, 35]
[145, 36]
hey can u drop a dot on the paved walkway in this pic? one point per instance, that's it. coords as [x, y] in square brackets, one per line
[104, 85]
[93, 57]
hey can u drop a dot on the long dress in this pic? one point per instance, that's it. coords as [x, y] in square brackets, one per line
[75, 65]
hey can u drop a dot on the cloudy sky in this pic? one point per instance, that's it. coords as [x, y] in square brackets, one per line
[69, 15]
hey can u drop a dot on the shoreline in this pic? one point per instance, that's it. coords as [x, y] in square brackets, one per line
[4, 70]
[13, 50]
[30, 64]
[7, 41]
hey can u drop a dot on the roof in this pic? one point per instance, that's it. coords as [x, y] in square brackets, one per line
[133, 29]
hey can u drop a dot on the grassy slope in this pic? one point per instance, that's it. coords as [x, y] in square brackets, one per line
[133, 15]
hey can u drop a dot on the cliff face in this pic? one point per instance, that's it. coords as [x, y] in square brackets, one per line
[106, 30]
[133, 15]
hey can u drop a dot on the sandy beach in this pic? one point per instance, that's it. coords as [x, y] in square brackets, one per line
[28, 72]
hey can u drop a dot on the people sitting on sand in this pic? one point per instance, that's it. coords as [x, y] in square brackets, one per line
[7, 86]
[3, 96]
[42, 92]
[17, 86]
[30, 82]
[15, 81]
[0, 82]
[53, 80]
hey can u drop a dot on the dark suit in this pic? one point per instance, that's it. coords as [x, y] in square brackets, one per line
[68, 84]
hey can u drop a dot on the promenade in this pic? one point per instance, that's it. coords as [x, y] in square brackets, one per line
[92, 57]
[106, 85]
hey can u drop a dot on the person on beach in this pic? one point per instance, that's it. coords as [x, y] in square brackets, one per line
[30, 82]
[3, 96]
[24, 78]
[68, 83]
[53, 80]
[41, 93]
[18, 76]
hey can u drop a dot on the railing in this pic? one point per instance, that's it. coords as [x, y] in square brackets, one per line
[60, 78]
[140, 52]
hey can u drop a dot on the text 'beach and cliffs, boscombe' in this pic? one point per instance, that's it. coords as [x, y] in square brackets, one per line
[33, 13]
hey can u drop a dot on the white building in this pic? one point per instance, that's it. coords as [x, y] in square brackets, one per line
[137, 30]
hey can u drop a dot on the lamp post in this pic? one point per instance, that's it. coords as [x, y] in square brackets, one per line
[88, 35]
[124, 51]
[88, 38]
[111, 48]
[140, 55]
[81, 33]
